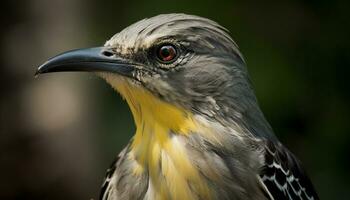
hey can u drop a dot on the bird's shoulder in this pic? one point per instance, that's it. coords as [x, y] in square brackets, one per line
[106, 185]
[282, 175]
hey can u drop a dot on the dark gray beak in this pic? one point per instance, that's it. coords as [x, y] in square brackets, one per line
[98, 59]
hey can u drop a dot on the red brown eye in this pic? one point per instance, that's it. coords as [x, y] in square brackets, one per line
[166, 53]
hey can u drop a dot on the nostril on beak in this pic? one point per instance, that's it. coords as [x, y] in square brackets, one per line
[107, 53]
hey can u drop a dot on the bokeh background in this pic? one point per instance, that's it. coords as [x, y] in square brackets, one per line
[60, 132]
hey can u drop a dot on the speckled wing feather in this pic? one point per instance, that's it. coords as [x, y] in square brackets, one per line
[108, 176]
[283, 177]
[106, 186]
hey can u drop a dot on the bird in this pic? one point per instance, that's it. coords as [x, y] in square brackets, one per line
[200, 133]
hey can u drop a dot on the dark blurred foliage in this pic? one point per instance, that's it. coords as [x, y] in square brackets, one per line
[59, 132]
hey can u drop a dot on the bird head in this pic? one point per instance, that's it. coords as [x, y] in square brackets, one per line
[185, 61]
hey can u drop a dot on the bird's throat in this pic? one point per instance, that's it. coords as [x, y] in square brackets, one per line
[158, 145]
[156, 121]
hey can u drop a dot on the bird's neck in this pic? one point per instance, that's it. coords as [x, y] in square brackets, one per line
[158, 145]
[156, 121]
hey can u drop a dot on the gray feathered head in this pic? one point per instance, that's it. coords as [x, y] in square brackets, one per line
[185, 60]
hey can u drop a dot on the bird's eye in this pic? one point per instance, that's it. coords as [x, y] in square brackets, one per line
[166, 53]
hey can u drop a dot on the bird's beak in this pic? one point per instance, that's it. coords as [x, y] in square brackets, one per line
[98, 59]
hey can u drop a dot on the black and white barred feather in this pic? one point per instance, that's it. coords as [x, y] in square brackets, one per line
[283, 176]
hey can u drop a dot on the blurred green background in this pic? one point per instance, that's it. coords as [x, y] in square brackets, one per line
[60, 132]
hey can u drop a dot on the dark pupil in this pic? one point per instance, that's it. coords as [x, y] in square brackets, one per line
[167, 53]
